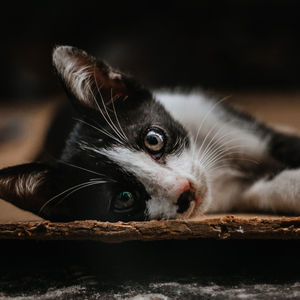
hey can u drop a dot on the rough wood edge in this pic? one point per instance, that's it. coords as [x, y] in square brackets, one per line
[213, 227]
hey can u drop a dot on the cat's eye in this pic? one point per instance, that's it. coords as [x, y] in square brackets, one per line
[154, 140]
[124, 201]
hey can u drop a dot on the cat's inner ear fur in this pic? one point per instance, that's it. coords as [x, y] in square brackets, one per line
[29, 187]
[91, 82]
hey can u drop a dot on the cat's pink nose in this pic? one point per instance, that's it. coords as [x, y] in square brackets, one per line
[183, 185]
[184, 200]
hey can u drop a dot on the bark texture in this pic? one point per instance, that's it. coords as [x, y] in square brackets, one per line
[214, 226]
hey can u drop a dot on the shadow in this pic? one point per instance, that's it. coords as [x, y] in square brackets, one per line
[190, 266]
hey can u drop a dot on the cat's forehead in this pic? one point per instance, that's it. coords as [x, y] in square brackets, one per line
[126, 127]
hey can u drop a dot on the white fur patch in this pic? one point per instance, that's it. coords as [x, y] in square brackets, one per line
[203, 118]
[28, 184]
[281, 194]
[162, 182]
[24, 186]
[217, 140]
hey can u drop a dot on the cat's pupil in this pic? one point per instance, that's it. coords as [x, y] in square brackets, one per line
[152, 140]
[125, 196]
[123, 201]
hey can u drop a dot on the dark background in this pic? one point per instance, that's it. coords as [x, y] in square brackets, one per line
[214, 44]
[221, 45]
[179, 270]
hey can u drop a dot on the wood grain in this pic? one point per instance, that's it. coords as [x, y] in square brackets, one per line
[212, 227]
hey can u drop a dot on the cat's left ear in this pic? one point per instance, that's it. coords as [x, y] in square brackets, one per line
[93, 83]
[30, 186]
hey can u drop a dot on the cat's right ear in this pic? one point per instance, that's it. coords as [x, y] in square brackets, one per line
[91, 83]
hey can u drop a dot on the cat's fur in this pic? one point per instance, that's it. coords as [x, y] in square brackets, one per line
[213, 159]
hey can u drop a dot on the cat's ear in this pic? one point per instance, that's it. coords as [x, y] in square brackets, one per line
[92, 83]
[29, 187]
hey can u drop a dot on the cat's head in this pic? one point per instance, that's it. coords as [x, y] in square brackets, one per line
[126, 158]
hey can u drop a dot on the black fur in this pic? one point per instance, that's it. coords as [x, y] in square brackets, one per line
[134, 121]
[56, 197]
[285, 149]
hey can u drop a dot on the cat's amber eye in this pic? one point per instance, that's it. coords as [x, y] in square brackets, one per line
[124, 201]
[154, 141]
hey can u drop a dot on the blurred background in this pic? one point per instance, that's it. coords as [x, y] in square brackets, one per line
[248, 50]
[214, 44]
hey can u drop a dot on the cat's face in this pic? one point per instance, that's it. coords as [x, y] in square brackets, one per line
[126, 159]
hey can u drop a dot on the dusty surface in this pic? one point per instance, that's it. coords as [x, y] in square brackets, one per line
[91, 289]
[189, 269]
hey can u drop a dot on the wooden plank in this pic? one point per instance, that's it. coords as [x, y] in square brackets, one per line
[213, 227]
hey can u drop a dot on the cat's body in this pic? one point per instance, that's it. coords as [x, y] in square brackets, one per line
[134, 155]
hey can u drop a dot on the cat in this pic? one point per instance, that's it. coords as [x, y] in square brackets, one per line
[138, 155]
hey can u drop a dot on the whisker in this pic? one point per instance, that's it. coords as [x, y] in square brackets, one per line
[219, 140]
[212, 163]
[65, 191]
[222, 153]
[80, 188]
[100, 130]
[111, 123]
[206, 115]
[100, 110]
[117, 119]
[225, 165]
[212, 143]
[205, 138]
[221, 148]
[81, 168]
[56, 196]
[213, 169]
[207, 148]
[212, 139]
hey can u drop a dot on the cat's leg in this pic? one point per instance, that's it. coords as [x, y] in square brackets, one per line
[278, 194]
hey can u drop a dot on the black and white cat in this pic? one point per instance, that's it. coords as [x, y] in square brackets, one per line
[135, 155]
